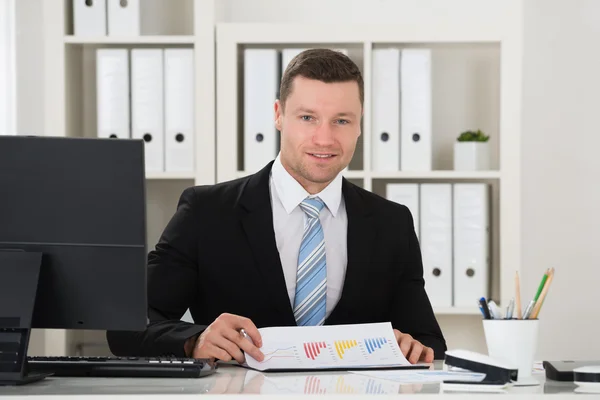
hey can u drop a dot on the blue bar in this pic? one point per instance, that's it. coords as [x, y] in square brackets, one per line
[368, 346]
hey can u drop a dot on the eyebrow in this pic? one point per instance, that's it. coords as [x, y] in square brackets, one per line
[309, 111]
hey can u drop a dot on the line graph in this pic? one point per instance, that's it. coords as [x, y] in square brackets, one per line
[288, 352]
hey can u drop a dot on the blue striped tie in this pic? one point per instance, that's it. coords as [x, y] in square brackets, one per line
[311, 276]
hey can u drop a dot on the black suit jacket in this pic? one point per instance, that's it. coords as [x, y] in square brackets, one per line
[218, 255]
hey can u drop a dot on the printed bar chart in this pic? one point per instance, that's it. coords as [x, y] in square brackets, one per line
[342, 345]
[313, 349]
[374, 344]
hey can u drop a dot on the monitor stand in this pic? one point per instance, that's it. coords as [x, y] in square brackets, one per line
[19, 274]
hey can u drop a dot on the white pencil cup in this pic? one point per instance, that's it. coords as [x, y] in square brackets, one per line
[513, 341]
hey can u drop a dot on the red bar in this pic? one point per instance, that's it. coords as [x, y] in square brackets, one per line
[315, 349]
[307, 350]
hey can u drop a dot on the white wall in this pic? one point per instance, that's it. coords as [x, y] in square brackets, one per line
[30, 67]
[561, 169]
[7, 68]
[339, 11]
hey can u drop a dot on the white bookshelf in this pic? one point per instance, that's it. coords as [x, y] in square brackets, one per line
[475, 36]
[69, 109]
[98, 40]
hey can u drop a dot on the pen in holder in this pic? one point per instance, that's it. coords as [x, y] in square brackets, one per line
[513, 341]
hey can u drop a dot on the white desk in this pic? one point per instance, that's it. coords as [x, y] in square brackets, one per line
[239, 382]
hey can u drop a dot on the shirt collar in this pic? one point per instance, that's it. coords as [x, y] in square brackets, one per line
[291, 193]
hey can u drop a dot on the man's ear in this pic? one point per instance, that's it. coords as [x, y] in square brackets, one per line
[278, 114]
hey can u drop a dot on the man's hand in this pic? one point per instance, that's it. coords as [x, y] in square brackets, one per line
[222, 340]
[412, 349]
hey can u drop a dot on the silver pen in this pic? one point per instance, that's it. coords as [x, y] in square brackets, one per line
[510, 308]
[244, 334]
[529, 309]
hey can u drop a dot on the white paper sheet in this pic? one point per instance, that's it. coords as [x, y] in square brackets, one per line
[326, 347]
[429, 376]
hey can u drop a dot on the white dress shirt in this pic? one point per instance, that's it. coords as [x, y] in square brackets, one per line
[288, 222]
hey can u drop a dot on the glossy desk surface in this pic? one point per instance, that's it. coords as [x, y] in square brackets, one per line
[239, 382]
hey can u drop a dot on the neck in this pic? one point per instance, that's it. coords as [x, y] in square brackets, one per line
[310, 187]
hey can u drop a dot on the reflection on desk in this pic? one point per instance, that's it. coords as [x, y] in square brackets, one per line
[234, 380]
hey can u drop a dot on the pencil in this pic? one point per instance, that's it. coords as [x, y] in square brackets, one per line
[538, 304]
[518, 296]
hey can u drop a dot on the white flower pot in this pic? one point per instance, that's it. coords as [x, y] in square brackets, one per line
[471, 156]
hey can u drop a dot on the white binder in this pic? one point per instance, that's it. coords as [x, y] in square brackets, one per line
[471, 243]
[112, 93]
[386, 110]
[408, 195]
[436, 242]
[147, 104]
[261, 78]
[415, 77]
[89, 17]
[123, 17]
[179, 110]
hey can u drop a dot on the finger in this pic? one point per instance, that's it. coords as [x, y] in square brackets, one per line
[244, 344]
[251, 330]
[230, 347]
[398, 334]
[415, 352]
[427, 355]
[405, 344]
[209, 350]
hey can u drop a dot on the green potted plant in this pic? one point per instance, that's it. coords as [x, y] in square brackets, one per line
[472, 151]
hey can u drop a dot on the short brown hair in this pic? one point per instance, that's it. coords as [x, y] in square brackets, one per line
[322, 65]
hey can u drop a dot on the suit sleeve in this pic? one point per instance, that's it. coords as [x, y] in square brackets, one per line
[411, 310]
[172, 287]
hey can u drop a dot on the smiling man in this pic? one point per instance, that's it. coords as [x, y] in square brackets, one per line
[293, 244]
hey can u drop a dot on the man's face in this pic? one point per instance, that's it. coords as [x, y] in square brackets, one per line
[319, 129]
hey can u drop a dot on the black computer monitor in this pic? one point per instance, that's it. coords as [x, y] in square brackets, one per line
[81, 203]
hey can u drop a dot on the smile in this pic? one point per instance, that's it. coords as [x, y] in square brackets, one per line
[322, 155]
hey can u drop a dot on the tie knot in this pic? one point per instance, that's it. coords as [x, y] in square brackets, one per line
[312, 206]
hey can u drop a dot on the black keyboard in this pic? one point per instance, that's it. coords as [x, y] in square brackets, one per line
[134, 367]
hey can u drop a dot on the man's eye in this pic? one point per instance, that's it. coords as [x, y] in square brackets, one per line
[306, 118]
[343, 121]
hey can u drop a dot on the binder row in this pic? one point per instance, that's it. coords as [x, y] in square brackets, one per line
[156, 106]
[401, 127]
[452, 223]
[263, 69]
[102, 17]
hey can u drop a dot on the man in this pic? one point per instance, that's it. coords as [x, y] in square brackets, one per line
[293, 244]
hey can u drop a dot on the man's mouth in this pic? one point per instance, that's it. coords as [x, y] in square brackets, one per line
[322, 155]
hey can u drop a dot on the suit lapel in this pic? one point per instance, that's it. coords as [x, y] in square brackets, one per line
[361, 237]
[257, 222]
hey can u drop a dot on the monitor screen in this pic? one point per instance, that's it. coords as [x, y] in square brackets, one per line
[81, 203]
